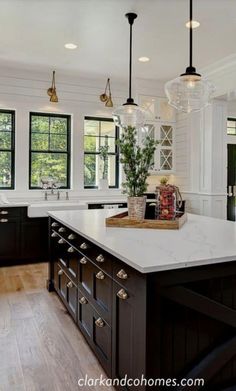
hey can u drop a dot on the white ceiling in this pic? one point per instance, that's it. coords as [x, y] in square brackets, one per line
[33, 33]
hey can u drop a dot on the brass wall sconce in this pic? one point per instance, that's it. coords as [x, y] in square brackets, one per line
[52, 90]
[106, 98]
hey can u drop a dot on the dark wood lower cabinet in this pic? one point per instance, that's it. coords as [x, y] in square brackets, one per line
[22, 239]
[176, 324]
[9, 238]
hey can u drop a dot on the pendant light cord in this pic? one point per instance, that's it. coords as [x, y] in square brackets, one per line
[191, 33]
[130, 60]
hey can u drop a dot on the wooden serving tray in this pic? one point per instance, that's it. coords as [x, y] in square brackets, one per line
[122, 220]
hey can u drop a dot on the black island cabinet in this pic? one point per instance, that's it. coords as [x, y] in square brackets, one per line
[175, 324]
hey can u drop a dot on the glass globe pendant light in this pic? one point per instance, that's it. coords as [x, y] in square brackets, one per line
[189, 92]
[130, 114]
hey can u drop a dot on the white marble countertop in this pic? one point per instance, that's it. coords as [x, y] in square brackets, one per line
[201, 241]
[15, 204]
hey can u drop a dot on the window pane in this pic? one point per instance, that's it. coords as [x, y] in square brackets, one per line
[5, 122]
[5, 169]
[5, 140]
[91, 143]
[39, 142]
[91, 127]
[39, 124]
[112, 170]
[52, 165]
[110, 141]
[58, 125]
[108, 128]
[58, 142]
[231, 124]
[97, 133]
[90, 170]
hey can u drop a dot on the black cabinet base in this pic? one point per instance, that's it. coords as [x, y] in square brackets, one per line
[50, 286]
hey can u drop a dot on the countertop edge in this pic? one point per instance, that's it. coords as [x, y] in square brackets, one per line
[147, 270]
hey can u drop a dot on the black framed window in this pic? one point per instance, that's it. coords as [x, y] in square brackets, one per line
[49, 149]
[99, 132]
[231, 126]
[7, 149]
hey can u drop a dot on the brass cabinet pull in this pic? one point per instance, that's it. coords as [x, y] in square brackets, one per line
[71, 250]
[83, 261]
[100, 275]
[3, 220]
[4, 212]
[70, 284]
[122, 274]
[54, 224]
[62, 229]
[82, 300]
[60, 272]
[122, 294]
[54, 235]
[71, 237]
[100, 258]
[61, 241]
[84, 246]
[99, 322]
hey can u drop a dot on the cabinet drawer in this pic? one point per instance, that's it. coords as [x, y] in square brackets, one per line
[96, 331]
[96, 285]
[10, 212]
[98, 256]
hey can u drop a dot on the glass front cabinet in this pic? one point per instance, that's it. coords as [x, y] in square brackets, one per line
[160, 126]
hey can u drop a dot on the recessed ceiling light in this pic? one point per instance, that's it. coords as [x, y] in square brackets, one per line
[144, 59]
[70, 46]
[195, 24]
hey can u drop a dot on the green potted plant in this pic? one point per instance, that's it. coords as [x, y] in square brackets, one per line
[103, 154]
[137, 160]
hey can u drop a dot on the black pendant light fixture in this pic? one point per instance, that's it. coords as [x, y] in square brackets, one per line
[189, 92]
[130, 114]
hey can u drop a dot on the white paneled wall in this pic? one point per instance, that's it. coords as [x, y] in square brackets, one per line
[201, 159]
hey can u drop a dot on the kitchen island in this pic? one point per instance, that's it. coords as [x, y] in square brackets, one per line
[157, 303]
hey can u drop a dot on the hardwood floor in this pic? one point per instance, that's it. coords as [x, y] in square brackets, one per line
[41, 349]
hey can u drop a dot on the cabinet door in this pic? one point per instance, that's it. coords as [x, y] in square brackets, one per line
[166, 138]
[34, 239]
[96, 331]
[66, 289]
[128, 330]
[9, 238]
[157, 108]
[72, 294]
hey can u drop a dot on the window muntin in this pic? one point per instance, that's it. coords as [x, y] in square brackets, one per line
[99, 132]
[7, 149]
[49, 149]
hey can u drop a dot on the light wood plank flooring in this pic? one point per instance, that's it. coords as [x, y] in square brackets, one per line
[41, 349]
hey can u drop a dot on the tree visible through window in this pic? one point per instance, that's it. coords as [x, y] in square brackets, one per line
[100, 132]
[49, 149]
[7, 146]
